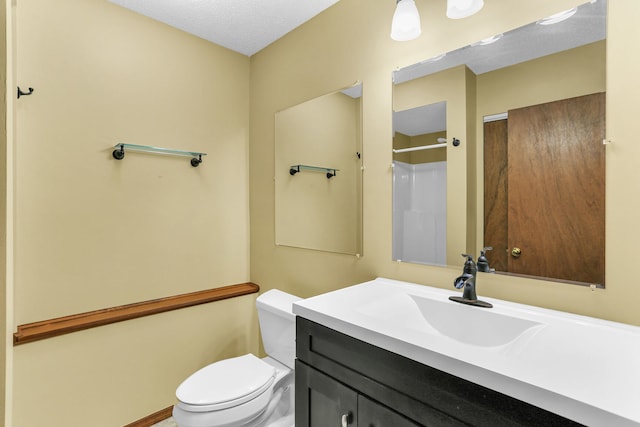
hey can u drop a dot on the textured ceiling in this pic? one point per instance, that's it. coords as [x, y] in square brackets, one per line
[245, 26]
[421, 120]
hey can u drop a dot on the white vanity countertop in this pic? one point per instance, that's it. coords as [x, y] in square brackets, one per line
[582, 368]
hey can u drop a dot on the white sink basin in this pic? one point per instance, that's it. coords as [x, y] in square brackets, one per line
[579, 367]
[472, 325]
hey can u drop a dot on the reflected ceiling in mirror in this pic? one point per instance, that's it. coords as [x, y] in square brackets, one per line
[531, 41]
[421, 120]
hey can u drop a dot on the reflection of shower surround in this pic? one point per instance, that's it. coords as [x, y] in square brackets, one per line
[419, 212]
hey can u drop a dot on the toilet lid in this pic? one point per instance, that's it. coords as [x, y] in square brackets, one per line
[228, 383]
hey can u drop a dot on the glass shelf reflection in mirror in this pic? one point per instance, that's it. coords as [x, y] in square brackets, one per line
[326, 134]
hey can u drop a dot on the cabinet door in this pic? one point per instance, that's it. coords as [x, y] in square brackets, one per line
[322, 401]
[372, 414]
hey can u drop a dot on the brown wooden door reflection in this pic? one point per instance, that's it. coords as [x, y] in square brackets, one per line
[495, 193]
[555, 190]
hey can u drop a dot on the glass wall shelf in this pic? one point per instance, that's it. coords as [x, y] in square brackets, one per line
[118, 153]
[331, 172]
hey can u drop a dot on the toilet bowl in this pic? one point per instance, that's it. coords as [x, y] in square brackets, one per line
[247, 391]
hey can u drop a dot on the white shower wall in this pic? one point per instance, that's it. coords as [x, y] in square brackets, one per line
[420, 212]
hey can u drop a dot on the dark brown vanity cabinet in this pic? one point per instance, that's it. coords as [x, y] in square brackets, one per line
[342, 381]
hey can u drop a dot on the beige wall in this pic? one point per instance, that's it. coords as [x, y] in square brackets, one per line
[358, 47]
[148, 225]
[5, 43]
[567, 74]
[93, 232]
[116, 374]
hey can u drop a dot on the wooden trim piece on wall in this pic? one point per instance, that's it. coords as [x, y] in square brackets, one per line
[78, 322]
[152, 419]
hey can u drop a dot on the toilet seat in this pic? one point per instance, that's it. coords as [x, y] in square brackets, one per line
[226, 384]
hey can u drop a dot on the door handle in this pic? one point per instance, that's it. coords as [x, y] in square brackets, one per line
[516, 252]
[346, 419]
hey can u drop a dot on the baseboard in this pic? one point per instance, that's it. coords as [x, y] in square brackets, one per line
[152, 419]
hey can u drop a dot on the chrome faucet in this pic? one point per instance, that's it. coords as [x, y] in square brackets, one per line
[467, 282]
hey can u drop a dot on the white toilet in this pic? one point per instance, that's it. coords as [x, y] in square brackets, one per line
[246, 390]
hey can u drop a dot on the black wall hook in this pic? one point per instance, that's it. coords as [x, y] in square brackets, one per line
[21, 93]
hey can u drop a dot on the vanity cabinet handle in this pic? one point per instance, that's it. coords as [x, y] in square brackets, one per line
[346, 419]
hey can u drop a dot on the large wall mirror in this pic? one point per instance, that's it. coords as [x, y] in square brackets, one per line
[532, 95]
[318, 173]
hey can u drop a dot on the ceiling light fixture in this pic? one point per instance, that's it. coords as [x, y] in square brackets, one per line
[488, 40]
[457, 9]
[433, 59]
[558, 17]
[406, 21]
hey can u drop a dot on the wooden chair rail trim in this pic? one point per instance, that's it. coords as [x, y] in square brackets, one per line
[152, 419]
[78, 322]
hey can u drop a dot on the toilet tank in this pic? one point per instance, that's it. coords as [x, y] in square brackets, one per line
[278, 325]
